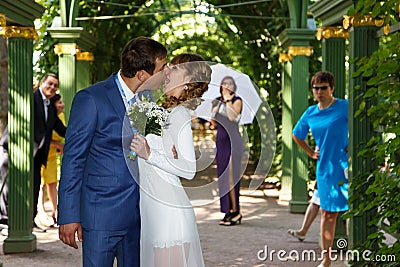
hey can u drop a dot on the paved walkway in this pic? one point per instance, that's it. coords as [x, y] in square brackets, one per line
[264, 225]
[263, 229]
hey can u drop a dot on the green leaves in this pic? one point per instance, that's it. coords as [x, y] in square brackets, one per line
[46, 59]
[380, 190]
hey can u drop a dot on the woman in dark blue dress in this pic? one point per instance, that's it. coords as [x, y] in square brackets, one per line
[226, 111]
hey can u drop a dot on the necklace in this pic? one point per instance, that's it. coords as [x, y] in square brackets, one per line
[330, 104]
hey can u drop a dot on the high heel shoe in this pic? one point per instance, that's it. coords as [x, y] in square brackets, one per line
[226, 219]
[236, 218]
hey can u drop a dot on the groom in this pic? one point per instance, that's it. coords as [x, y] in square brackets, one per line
[98, 196]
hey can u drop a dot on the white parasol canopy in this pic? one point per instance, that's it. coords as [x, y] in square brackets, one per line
[246, 90]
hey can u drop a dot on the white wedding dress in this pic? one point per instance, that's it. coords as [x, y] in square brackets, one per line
[169, 236]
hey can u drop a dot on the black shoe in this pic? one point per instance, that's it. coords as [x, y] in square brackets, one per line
[226, 218]
[236, 218]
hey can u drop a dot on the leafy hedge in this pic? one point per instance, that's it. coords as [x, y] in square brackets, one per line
[380, 192]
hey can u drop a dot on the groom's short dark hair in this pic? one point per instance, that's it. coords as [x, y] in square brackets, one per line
[140, 54]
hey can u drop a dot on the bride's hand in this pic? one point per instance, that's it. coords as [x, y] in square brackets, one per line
[140, 146]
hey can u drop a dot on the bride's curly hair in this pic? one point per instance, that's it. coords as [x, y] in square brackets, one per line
[200, 76]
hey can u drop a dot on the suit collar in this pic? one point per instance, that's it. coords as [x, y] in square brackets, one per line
[115, 97]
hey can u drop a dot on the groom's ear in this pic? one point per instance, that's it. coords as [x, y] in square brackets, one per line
[142, 75]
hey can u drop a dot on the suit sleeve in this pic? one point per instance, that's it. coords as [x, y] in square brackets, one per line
[59, 127]
[181, 133]
[78, 138]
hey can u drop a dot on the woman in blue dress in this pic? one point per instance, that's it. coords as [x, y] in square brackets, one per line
[328, 123]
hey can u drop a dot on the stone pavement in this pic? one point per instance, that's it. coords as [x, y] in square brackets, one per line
[264, 225]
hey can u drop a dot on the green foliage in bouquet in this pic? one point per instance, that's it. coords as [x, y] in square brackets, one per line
[147, 117]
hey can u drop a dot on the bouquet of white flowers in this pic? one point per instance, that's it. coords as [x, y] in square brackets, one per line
[148, 118]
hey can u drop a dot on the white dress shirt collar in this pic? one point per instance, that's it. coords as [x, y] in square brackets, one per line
[128, 93]
[41, 93]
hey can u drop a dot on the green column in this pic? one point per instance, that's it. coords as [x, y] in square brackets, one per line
[74, 74]
[287, 126]
[67, 76]
[295, 94]
[17, 24]
[294, 161]
[333, 60]
[363, 42]
[299, 158]
[72, 41]
[83, 74]
[20, 127]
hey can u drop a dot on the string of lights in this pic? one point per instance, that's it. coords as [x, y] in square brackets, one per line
[189, 11]
[218, 6]
[243, 3]
[183, 12]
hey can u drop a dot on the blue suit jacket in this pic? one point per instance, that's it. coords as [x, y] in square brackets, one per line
[97, 186]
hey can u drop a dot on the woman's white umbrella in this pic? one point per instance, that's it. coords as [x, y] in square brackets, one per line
[246, 90]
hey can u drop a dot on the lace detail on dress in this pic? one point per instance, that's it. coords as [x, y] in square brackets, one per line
[168, 244]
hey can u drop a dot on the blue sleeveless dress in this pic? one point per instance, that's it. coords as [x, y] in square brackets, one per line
[329, 128]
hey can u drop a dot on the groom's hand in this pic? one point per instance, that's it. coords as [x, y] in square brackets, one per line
[66, 233]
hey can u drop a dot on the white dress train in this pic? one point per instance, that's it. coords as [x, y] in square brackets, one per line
[169, 235]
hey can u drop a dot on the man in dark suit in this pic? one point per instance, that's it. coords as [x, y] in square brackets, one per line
[45, 121]
[3, 179]
[98, 195]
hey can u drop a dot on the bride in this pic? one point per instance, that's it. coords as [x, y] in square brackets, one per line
[169, 235]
